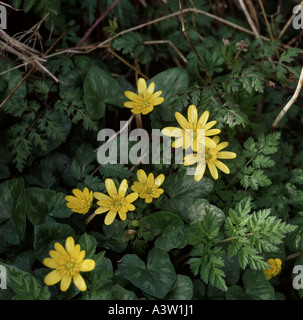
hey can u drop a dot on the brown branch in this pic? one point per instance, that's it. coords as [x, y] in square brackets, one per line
[91, 29]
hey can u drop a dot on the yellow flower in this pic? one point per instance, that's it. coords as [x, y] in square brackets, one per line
[148, 187]
[116, 202]
[82, 201]
[211, 159]
[145, 101]
[274, 269]
[67, 262]
[189, 136]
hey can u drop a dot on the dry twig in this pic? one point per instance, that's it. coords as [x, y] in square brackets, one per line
[289, 104]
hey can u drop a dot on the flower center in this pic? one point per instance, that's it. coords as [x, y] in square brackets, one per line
[117, 203]
[69, 265]
[149, 191]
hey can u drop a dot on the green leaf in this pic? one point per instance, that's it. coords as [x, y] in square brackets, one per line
[45, 236]
[169, 230]
[89, 244]
[256, 286]
[101, 88]
[182, 289]
[154, 278]
[172, 82]
[13, 209]
[182, 186]
[119, 293]
[43, 202]
[25, 286]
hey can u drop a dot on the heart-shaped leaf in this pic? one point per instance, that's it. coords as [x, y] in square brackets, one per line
[154, 278]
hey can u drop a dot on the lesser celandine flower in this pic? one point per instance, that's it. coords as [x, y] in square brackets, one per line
[148, 187]
[115, 202]
[189, 135]
[210, 158]
[274, 269]
[81, 202]
[67, 262]
[145, 101]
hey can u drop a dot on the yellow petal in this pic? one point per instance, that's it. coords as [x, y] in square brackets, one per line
[203, 119]
[58, 257]
[59, 248]
[147, 110]
[142, 177]
[141, 86]
[226, 155]
[159, 180]
[221, 146]
[158, 193]
[101, 196]
[172, 132]
[65, 283]
[216, 139]
[132, 197]
[110, 217]
[101, 210]
[130, 104]
[71, 198]
[137, 187]
[52, 278]
[151, 88]
[130, 207]
[76, 251]
[157, 94]
[192, 115]
[212, 132]
[87, 265]
[79, 282]
[69, 245]
[220, 165]
[122, 213]
[199, 173]
[131, 95]
[210, 143]
[190, 159]
[181, 120]
[136, 110]
[51, 263]
[148, 199]
[110, 187]
[150, 179]
[78, 193]
[123, 188]
[157, 101]
[178, 143]
[213, 170]
[209, 125]
[86, 193]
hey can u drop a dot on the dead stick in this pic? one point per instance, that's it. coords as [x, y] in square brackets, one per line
[197, 54]
[90, 30]
[289, 104]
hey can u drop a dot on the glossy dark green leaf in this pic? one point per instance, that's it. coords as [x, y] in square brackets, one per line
[155, 278]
